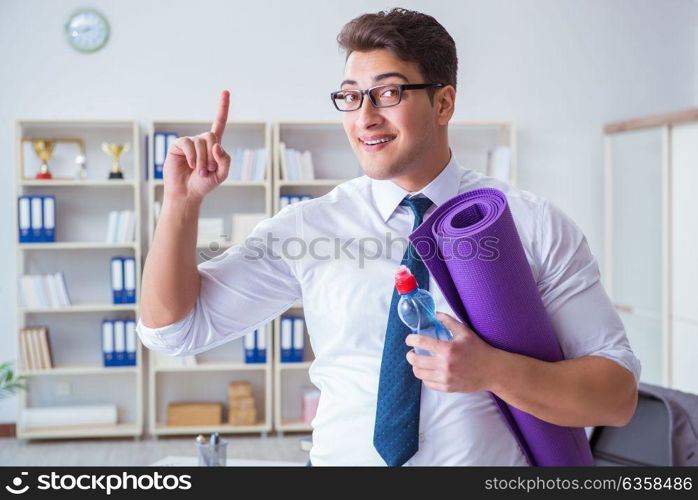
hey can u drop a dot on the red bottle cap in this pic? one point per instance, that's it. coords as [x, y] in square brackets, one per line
[405, 282]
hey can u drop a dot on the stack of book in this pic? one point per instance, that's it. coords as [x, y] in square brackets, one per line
[248, 165]
[36, 349]
[43, 291]
[296, 165]
[121, 227]
[241, 407]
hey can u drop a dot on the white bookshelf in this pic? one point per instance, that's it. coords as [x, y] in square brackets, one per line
[208, 379]
[650, 174]
[82, 208]
[334, 162]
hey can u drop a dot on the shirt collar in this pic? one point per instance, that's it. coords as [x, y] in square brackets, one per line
[388, 195]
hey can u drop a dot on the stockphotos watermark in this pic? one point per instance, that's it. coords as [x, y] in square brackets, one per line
[359, 249]
[106, 483]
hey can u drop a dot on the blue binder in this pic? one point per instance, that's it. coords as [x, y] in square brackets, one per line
[108, 342]
[37, 219]
[170, 138]
[117, 279]
[298, 340]
[129, 272]
[248, 344]
[131, 342]
[286, 339]
[261, 345]
[24, 222]
[49, 218]
[159, 154]
[119, 342]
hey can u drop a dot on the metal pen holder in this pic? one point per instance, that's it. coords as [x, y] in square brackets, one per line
[212, 455]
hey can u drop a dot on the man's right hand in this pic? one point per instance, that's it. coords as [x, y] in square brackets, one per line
[196, 165]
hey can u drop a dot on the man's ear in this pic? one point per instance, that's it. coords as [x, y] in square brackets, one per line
[445, 104]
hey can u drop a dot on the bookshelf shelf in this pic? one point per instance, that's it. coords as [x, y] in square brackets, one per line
[221, 245]
[160, 183]
[218, 366]
[163, 429]
[294, 426]
[315, 182]
[214, 367]
[74, 183]
[81, 215]
[295, 366]
[82, 431]
[80, 308]
[77, 245]
[81, 370]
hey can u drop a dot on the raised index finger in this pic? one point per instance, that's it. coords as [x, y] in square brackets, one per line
[218, 126]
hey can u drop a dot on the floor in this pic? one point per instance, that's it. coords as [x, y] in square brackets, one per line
[128, 452]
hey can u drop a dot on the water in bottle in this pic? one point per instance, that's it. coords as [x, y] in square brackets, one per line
[416, 309]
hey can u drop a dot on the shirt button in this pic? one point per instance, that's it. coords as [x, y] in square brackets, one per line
[421, 437]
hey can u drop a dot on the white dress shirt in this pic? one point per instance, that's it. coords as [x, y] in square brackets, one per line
[331, 253]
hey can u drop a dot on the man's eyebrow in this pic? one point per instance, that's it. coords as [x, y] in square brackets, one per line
[383, 76]
[378, 78]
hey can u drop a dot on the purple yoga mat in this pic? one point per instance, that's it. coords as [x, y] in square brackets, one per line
[472, 249]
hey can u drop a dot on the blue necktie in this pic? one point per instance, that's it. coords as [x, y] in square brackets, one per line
[396, 431]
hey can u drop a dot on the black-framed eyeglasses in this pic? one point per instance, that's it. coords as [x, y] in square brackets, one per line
[381, 96]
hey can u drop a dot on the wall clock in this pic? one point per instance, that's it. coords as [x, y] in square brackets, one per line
[87, 30]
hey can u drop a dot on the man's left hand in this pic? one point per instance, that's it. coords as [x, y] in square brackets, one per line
[466, 364]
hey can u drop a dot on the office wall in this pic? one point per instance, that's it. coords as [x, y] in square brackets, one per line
[559, 68]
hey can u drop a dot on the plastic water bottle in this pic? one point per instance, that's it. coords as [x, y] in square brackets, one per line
[416, 309]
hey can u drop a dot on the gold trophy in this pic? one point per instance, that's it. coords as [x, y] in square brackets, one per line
[115, 150]
[43, 149]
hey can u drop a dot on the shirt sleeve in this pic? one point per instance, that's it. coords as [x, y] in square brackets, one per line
[582, 315]
[242, 289]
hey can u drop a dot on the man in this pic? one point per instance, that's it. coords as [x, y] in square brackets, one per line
[396, 100]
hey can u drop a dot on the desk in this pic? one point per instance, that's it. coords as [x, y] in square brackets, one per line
[182, 461]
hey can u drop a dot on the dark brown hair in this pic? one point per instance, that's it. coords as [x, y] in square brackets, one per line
[408, 35]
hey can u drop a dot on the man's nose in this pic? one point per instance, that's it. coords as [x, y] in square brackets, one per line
[368, 114]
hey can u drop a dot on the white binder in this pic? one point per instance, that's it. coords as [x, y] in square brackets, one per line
[117, 279]
[160, 152]
[131, 345]
[37, 218]
[298, 338]
[120, 341]
[286, 338]
[130, 280]
[108, 342]
[49, 219]
[24, 214]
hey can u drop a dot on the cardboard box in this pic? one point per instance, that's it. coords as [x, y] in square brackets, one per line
[239, 389]
[194, 414]
[241, 403]
[242, 417]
